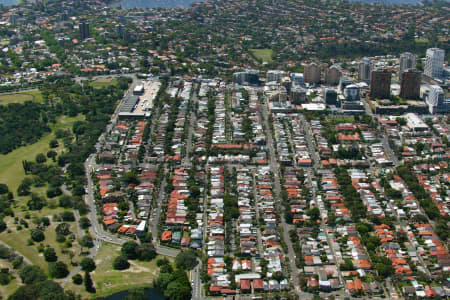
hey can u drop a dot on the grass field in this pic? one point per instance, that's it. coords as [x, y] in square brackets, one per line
[108, 281]
[20, 97]
[263, 54]
[18, 239]
[6, 290]
[11, 171]
[103, 82]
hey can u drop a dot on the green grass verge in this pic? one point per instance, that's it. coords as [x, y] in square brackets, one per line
[263, 54]
[109, 281]
[21, 97]
[103, 82]
[11, 170]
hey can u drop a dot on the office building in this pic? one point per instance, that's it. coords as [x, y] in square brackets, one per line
[119, 30]
[332, 75]
[343, 83]
[434, 63]
[13, 19]
[364, 69]
[298, 95]
[250, 77]
[380, 84]
[331, 97]
[436, 102]
[407, 61]
[312, 73]
[297, 79]
[352, 92]
[275, 75]
[410, 84]
[84, 30]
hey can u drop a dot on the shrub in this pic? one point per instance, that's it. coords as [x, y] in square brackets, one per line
[121, 263]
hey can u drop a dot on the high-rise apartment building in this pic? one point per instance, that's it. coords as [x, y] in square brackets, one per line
[364, 69]
[410, 84]
[380, 84]
[434, 63]
[332, 75]
[312, 73]
[84, 30]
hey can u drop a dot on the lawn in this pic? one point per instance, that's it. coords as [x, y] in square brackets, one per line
[20, 97]
[263, 54]
[103, 82]
[18, 239]
[108, 281]
[6, 290]
[11, 171]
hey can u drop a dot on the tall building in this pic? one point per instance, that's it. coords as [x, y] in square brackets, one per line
[380, 84]
[298, 95]
[410, 84]
[84, 30]
[407, 61]
[330, 97]
[250, 77]
[332, 75]
[343, 82]
[13, 19]
[434, 63]
[119, 30]
[364, 68]
[436, 102]
[352, 92]
[275, 75]
[297, 79]
[312, 73]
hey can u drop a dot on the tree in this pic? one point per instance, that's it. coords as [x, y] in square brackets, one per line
[32, 274]
[63, 228]
[23, 189]
[86, 241]
[129, 250]
[88, 284]
[3, 189]
[84, 222]
[121, 263]
[77, 279]
[68, 216]
[50, 254]
[186, 259]
[278, 276]
[87, 264]
[65, 201]
[36, 202]
[53, 191]
[146, 252]
[136, 294]
[40, 158]
[58, 269]
[314, 213]
[52, 154]
[53, 143]
[37, 235]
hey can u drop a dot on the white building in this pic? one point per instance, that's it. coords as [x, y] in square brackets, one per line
[434, 64]
[275, 75]
[436, 102]
[407, 61]
[364, 69]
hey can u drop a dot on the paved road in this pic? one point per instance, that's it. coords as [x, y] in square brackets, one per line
[274, 166]
[192, 120]
[25, 259]
[195, 282]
